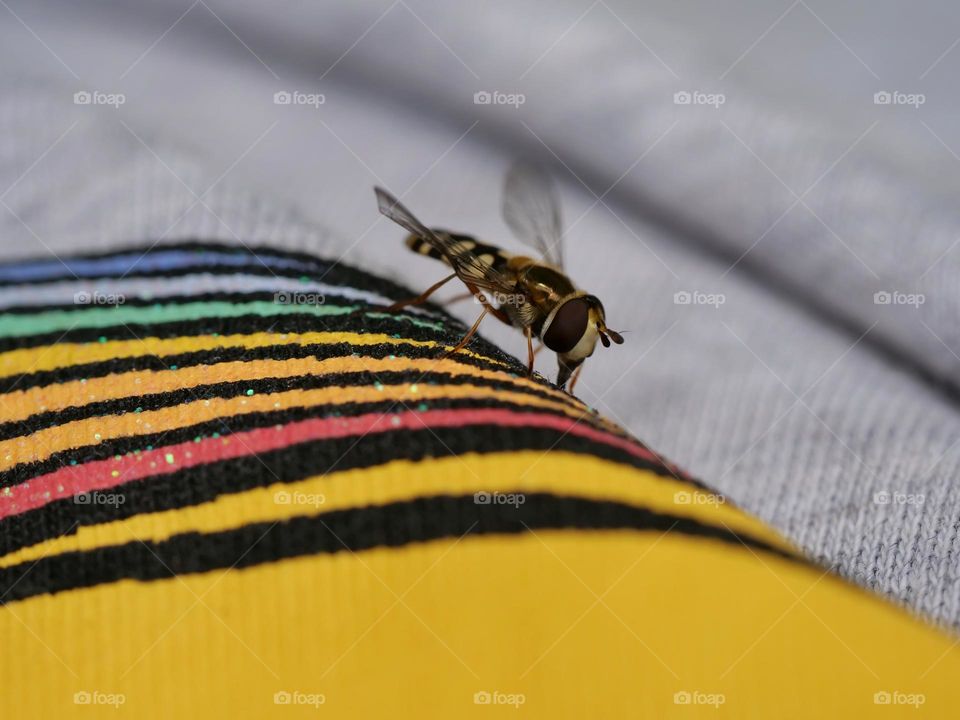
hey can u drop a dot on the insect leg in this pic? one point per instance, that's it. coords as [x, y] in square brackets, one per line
[576, 376]
[466, 338]
[499, 314]
[496, 312]
[458, 298]
[422, 297]
[530, 352]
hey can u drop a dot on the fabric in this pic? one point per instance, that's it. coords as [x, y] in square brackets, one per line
[822, 411]
[217, 502]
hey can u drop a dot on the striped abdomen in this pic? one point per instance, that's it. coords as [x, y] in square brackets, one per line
[488, 253]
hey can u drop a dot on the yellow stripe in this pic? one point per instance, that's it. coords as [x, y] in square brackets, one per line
[418, 631]
[21, 404]
[59, 355]
[555, 472]
[43, 443]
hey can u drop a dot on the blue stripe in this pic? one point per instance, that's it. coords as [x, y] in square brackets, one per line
[157, 259]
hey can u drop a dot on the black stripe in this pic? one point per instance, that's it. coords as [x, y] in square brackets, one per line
[231, 297]
[359, 322]
[254, 267]
[355, 530]
[260, 386]
[23, 472]
[422, 247]
[292, 463]
[479, 248]
[242, 354]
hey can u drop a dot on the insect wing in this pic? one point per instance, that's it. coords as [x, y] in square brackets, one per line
[532, 210]
[468, 267]
[398, 212]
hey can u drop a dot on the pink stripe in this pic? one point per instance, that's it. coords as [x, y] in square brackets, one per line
[112, 472]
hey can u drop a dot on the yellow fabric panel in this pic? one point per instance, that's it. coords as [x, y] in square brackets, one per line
[604, 625]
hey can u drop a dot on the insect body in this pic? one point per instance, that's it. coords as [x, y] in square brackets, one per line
[535, 296]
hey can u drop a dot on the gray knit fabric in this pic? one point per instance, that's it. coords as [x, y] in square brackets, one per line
[786, 382]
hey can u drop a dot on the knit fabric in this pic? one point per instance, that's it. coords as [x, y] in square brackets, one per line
[219, 499]
[822, 413]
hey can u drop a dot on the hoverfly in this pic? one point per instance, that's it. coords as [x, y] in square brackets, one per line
[534, 296]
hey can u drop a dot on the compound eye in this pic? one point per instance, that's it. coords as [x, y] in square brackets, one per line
[568, 326]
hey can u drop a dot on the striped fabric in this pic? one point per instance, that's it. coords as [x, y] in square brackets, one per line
[230, 482]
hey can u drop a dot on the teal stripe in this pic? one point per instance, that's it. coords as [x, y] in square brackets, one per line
[96, 317]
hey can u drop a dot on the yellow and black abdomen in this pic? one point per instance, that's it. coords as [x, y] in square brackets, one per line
[490, 254]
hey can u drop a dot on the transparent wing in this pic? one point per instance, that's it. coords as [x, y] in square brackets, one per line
[532, 210]
[468, 267]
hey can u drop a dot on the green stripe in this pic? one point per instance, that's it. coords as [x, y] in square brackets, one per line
[95, 317]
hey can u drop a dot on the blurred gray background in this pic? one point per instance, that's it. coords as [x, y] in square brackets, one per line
[803, 201]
